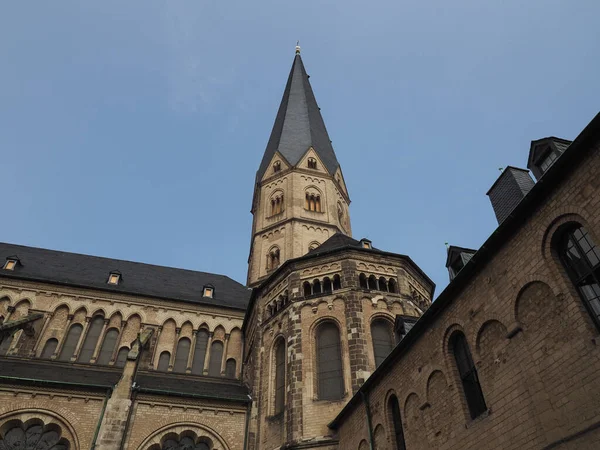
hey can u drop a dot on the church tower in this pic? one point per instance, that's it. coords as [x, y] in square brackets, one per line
[300, 197]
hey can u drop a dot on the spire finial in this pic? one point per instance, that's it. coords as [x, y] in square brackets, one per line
[297, 47]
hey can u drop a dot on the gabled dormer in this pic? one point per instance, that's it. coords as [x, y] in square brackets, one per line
[277, 166]
[543, 153]
[457, 258]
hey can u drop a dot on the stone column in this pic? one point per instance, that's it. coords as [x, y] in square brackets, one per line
[158, 331]
[64, 337]
[224, 359]
[84, 333]
[175, 342]
[47, 318]
[100, 341]
[207, 355]
[190, 361]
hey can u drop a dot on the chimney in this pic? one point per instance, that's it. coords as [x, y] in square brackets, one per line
[510, 188]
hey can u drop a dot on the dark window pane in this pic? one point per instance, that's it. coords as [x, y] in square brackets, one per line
[230, 368]
[468, 375]
[362, 280]
[327, 285]
[337, 283]
[49, 348]
[200, 352]
[163, 361]
[216, 357]
[108, 346]
[122, 357]
[382, 336]
[279, 377]
[70, 342]
[5, 344]
[181, 355]
[397, 421]
[91, 339]
[329, 362]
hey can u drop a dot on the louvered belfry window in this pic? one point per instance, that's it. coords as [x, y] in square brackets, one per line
[383, 340]
[279, 377]
[330, 377]
[200, 352]
[581, 257]
[70, 342]
[108, 346]
[91, 339]
[468, 375]
[397, 422]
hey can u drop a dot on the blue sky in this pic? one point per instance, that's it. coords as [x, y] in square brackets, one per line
[134, 129]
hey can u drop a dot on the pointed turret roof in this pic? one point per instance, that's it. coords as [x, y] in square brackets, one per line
[298, 125]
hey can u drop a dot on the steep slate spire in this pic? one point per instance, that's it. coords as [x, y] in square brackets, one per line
[298, 124]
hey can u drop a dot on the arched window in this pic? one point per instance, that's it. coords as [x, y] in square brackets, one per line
[279, 376]
[273, 259]
[312, 163]
[108, 346]
[468, 374]
[330, 378]
[327, 285]
[200, 352]
[382, 334]
[394, 412]
[313, 202]
[337, 282]
[318, 203]
[392, 286]
[216, 357]
[181, 355]
[383, 284]
[362, 281]
[581, 257]
[276, 166]
[340, 211]
[49, 348]
[70, 342]
[372, 282]
[316, 286]
[307, 289]
[230, 368]
[91, 339]
[33, 435]
[122, 357]
[163, 361]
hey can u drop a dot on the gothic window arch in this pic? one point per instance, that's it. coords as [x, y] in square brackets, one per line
[70, 343]
[33, 435]
[91, 339]
[279, 377]
[122, 357]
[580, 256]
[362, 281]
[181, 355]
[396, 419]
[216, 357]
[49, 348]
[230, 366]
[312, 163]
[108, 346]
[382, 335]
[163, 361]
[330, 375]
[200, 351]
[273, 258]
[337, 282]
[468, 374]
[307, 289]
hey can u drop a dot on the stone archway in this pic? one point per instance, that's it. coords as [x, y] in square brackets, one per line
[184, 436]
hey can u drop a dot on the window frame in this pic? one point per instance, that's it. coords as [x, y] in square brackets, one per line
[279, 402]
[318, 379]
[467, 374]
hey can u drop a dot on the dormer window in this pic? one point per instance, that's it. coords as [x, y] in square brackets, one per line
[208, 291]
[10, 263]
[276, 166]
[312, 163]
[547, 161]
[114, 278]
[365, 243]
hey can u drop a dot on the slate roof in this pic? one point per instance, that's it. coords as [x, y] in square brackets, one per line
[74, 269]
[338, 240]
[298, 125]
[190, 385]
[55, 373]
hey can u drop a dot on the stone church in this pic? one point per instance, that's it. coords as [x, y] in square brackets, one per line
[333, 343]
